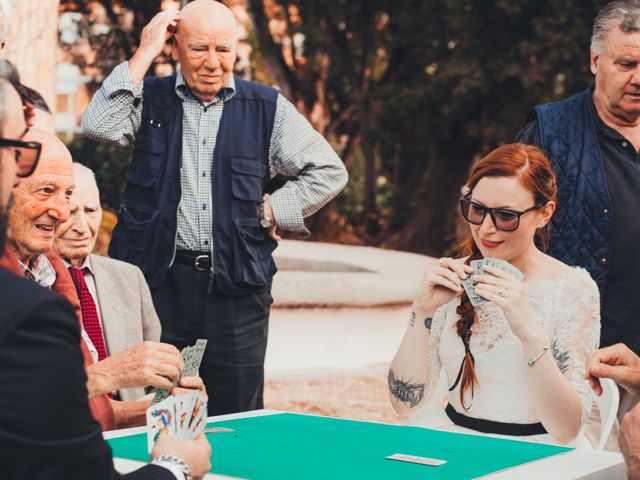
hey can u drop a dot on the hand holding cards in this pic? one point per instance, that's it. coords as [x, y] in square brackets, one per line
[479, 269]
[192, 357]
[184, 416]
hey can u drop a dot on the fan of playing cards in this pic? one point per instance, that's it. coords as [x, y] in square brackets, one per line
[478, 269]
[184, 416]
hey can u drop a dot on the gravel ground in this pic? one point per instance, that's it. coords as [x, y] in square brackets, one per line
[359, 397]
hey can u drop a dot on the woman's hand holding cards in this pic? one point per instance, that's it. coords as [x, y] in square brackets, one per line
[510, 294]
[440, 284]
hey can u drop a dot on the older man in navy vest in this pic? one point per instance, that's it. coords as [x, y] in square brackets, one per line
[194, 216]
[593, 140]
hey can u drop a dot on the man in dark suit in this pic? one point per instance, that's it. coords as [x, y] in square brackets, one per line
[46, 428]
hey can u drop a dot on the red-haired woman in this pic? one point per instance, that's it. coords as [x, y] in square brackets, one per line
[514, 363]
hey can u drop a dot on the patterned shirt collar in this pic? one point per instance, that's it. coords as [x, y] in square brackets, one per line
[225, 93]
[40, 271]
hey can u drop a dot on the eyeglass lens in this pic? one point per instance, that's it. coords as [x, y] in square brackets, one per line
[502, 219]
[26, 160]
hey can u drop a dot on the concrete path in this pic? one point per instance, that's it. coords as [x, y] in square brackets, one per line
[338, 308]
[325, 274]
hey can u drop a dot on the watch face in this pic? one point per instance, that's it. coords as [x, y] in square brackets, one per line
[265, 222]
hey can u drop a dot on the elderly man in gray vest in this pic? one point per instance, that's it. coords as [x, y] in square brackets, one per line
[194, 214]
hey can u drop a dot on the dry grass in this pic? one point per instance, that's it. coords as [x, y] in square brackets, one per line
[360, 397]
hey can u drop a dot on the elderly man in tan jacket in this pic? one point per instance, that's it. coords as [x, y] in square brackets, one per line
[116, 303]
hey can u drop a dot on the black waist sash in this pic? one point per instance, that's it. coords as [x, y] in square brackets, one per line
[489, 426]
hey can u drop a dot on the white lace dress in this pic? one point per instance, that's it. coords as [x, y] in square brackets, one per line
[568, 311]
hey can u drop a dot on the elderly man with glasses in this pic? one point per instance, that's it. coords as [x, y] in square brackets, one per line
[41, 203]
[46, 428]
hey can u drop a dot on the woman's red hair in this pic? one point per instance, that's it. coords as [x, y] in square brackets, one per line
[532, 168]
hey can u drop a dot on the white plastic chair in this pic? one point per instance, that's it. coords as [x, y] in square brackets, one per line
[608, 405]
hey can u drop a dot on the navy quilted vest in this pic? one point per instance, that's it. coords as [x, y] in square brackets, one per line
[582, 230]
[147, 220]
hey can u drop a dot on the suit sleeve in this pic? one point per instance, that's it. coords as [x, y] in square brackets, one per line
[151, 328]
[46, 428]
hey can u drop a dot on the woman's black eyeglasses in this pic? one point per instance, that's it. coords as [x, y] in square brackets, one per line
[503, 219]
[27, 154]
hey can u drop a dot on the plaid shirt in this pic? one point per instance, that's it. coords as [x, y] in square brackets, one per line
[40, 271]
[296, 150]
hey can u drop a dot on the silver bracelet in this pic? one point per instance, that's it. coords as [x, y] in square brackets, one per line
[532, 361]
[184, 468]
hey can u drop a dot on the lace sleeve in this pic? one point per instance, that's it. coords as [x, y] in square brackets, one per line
[434, 365]
[577, 333]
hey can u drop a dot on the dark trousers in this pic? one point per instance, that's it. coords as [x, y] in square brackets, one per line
[236, 329]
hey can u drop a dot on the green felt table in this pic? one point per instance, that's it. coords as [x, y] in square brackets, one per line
[293, 446]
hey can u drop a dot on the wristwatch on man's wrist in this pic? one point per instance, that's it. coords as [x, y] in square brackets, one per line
[265, 222]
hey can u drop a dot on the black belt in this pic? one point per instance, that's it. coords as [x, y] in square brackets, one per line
[489, 426]
[201, 261]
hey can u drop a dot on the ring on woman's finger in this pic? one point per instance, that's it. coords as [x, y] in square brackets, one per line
[501, 292]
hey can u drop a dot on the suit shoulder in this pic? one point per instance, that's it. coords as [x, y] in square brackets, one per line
[17, 289]
[109, 263]
[19, 297]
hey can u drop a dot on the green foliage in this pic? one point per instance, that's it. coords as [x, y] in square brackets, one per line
[414, 90]
[110, 163]
[350, 202]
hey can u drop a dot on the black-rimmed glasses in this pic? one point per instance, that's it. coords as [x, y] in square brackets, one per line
[26, 154]
[503, 219]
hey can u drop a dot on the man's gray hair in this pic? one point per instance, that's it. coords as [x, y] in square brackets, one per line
[622, 14]
[85, 169]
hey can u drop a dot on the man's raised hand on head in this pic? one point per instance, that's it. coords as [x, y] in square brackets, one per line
[152, 40]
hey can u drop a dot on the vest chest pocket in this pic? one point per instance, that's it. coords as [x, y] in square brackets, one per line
[138, 224]
[246, 178]
[150, 145]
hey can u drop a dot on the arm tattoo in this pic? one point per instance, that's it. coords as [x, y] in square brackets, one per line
[405, 392]
[412, 319]
[427, 323]
[561, 356]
